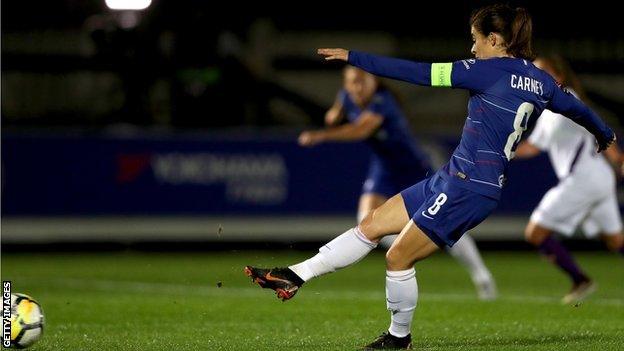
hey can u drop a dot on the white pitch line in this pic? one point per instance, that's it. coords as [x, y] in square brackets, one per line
[202, 290]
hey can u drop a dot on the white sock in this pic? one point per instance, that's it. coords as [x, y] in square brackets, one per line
[466, 252]
[401, 297]
[387, 241]
[343, 251]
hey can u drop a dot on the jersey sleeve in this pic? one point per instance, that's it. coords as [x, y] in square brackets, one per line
[408, 71]
[476, 75]
[539, 138]
[470, 74]
[565, 103]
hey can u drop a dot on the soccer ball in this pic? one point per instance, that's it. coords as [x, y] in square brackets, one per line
[26, 321]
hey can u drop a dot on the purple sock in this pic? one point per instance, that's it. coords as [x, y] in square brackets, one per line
[562, 258]
[621, 251]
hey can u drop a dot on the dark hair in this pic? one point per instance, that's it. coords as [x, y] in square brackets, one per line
[514, 25]
[562, 68]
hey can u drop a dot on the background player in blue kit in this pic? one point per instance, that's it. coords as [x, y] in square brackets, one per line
[506, 90]
[372, 114]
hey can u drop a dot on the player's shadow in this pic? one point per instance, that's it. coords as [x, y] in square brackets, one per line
[497, 344]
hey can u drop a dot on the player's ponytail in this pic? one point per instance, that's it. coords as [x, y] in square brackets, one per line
[521, 31]
[514, 25]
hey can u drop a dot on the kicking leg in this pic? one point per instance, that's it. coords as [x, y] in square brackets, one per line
[369, 202]
[357, 242]
[346, 249]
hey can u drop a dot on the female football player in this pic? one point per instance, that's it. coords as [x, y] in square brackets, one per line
[506, 90]
[373, 114]
[586, 193]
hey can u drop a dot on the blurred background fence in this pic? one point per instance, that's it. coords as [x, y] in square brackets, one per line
[150, 186]
[179, 121]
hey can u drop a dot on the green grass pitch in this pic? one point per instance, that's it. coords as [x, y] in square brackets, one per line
[162, 301]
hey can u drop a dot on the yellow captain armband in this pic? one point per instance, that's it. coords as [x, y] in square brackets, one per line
[441, 74]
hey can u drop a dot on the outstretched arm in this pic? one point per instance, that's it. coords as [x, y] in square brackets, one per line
[409, 71]
[361, 129]
[566, 104]
[474, 75]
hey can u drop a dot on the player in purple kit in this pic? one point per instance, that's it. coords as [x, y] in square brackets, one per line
[506, 90]
[372, 114]
[586, 193]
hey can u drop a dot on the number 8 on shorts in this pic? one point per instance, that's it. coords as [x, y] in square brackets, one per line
[439, 201]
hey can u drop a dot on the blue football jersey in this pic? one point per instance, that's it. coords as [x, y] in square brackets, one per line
[505, 93]
[393, 145]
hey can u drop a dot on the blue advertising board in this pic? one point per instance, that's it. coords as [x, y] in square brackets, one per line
[49, 174]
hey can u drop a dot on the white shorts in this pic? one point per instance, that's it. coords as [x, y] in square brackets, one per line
[580, 200]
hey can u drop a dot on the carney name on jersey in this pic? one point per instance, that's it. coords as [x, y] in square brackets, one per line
[504, 94]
